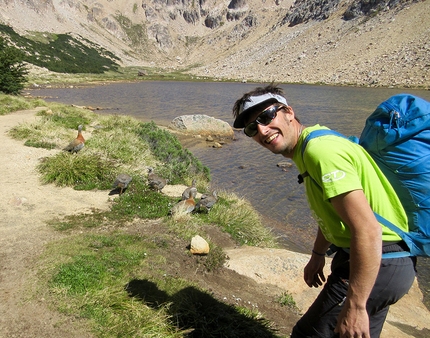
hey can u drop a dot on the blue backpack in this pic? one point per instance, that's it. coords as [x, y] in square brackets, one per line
[397, 136]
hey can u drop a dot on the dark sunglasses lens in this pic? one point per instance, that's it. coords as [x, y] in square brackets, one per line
[251, 129]
[265, 118]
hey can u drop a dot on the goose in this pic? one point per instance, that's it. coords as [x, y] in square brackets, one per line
[186, 193]
[155, 182]
[77, 144]
[207, 202]
[185, 206]
[121, 182]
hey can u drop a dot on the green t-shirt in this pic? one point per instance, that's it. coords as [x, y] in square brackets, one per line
[339, 166]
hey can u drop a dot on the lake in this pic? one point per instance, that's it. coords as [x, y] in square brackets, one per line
[242, 166]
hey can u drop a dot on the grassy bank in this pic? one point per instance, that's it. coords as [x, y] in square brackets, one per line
[41, 77]
[126, 272]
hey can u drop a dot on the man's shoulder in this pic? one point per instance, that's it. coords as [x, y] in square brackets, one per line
[306, 131]
[319, 138]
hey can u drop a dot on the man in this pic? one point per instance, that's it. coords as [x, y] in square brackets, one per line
[343, 187]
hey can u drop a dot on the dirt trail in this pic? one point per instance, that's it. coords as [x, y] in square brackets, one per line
[25, 206]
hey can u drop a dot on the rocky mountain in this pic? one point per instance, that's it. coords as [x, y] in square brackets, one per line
[366, 43]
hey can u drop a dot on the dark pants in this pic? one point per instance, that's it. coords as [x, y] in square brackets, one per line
[394, 280]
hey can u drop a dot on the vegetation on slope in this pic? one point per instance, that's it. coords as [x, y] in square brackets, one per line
[62, 53]
[115, 269]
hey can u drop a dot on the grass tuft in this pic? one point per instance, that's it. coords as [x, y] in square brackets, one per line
[179, 164]
[286, 299]
[139, 201]
[215, 259]
[238, 218]
[83, 171]
[13, 103]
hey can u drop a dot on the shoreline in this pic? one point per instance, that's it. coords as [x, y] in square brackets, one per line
[39, 82]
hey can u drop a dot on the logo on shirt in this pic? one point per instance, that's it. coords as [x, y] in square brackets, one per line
[333, 176]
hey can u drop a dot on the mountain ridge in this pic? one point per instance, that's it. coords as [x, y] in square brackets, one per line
[334, 42]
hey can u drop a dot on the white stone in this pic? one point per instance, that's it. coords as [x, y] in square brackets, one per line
[199, 246]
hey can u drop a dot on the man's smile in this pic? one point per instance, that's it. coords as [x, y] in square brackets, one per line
[271, 138]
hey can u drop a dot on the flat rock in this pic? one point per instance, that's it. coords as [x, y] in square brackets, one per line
[202, 125]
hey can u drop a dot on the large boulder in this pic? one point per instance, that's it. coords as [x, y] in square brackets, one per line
[202, 125]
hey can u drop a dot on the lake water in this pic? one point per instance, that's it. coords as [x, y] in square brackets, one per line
[242, 166]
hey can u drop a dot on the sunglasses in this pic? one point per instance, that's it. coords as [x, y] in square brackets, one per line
[265, 118]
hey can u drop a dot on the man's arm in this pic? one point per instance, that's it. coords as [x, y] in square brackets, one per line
[313, 272]
[365, 259]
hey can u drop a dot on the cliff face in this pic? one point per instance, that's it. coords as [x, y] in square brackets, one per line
[379, 42]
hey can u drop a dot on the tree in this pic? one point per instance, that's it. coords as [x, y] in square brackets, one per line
[13, 71]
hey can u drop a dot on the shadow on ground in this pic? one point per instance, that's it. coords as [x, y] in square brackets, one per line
[412, 331]
[199, 313]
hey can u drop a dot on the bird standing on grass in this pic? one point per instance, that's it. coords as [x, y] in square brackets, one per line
[121, 182]
[185, 206]
[187, 192]
[207, 202]
[77, 144]
[155, 182]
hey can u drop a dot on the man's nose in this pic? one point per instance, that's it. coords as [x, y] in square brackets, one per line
[262, 129]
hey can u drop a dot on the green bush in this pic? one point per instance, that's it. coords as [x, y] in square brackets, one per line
[12, 69]
[178, 163]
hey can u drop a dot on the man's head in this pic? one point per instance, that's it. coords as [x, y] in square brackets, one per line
[266, 117]
[256, 101]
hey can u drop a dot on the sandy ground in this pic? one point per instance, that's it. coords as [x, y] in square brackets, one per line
[25, 207]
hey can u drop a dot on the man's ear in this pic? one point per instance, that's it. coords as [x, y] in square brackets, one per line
[290, 113]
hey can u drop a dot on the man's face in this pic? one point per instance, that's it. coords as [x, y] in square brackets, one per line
[278, 135]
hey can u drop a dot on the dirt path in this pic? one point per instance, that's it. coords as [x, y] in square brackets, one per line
[25, 207]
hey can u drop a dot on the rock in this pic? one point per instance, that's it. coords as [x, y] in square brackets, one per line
[199, 246]
[17, 201]
[236, 4]
[202, 125]
[213, 21]
[191, 16]
[284, 164]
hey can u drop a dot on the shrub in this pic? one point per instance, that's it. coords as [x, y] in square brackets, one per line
[12, 69]
[178, 163]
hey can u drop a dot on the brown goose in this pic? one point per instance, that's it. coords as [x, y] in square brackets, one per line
[155, 182]
[187, 192]
[185, 206]
[121, 182]
[77, 144]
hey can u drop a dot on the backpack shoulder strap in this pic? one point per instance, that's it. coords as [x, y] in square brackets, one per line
[318, 133]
